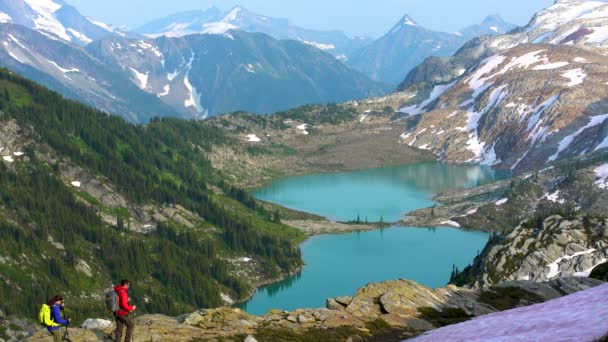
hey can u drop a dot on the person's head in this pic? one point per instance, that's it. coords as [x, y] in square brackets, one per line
[126, 283]
[56, 299]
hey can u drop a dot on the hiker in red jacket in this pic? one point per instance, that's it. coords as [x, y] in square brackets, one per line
[122, 315]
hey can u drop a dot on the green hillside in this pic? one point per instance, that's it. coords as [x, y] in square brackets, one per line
[50, 230]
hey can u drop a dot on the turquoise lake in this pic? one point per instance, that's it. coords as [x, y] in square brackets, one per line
[337, 265]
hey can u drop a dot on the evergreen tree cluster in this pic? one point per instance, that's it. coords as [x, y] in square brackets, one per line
[162, 163]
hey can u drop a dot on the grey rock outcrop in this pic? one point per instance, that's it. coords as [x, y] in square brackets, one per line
[559, 248]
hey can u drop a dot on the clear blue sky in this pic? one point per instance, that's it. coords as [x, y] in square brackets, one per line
[355, 17]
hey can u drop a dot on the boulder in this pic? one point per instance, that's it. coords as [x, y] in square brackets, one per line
[306, 318]
[344, 300]
[96, 323]
[332, 304]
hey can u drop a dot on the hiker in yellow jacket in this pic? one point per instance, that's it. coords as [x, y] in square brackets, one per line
[50, 317]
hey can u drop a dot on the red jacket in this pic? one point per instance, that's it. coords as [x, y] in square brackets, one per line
[123, 300]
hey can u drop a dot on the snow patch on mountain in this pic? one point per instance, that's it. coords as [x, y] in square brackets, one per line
[576, 77]
[554, 197]
[319, 46]
[551, 66]
[106, 27]
[554, 266]
[437, 91]
[64, 70]
[581, 316]
[252, 138]
[5, 18]
[80, 36]
[45, 20]
[194, 97]
[474, 144]
[563, 12]
[599, 34]
[602, 173]
[166, 91]
[141, 78]
[565, 143]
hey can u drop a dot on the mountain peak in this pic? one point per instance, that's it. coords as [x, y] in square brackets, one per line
[406, 20]
[493, 19]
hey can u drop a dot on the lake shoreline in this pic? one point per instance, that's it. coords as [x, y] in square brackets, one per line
[347, 252]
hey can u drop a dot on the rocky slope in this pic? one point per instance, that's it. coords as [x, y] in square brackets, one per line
[557, 247]
[517, 110]
[69, 69]
[518, 100]
[214, 21]
[209, 74]
[389, 311]
[389, 58]
[571, 22]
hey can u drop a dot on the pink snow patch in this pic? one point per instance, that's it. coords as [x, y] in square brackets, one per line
[579, 317]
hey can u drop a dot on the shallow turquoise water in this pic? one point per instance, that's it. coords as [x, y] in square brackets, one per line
[337, 265]
[387, 192]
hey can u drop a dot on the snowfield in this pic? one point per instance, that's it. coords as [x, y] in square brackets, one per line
[252, 138]
[602, 174]
[579, 317]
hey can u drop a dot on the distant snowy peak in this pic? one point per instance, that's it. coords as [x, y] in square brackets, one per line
[405, 23]
[213, 21]
[55, 19]
[491, 25]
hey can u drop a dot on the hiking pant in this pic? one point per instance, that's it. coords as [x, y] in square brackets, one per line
[56, 335]
[122, 321]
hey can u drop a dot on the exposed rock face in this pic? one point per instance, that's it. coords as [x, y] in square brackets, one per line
[505, 103]
[559, 248]
[518, 109]
[575, 22]
[403, 304]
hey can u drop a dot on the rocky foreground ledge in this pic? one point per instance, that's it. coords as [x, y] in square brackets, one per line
[392, 310]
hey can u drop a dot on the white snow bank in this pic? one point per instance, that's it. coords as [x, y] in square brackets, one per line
[576, 77]
[96, 323]
[502, 201]
[64, 70]
[437, 91]
[5, 18]
[141, 77]
[76, 184]
[551, 66]
[302, 128]
[599, 35]
[565, 143]
[8, 159]
[166, 91]
[602, 174]
[252, 138]
[554, 266]
[578, 317]
[320, 46]
[18, 154]
[451, 223]
[554, 197]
